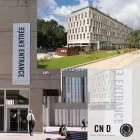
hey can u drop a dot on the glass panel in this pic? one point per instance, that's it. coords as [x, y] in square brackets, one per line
[16, 120]
[13, 120]
[23, 124]
[1, 118]
[1, 96]
[15, 97]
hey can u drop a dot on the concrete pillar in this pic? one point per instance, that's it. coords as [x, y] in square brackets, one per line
[98, 45]
[48, 111]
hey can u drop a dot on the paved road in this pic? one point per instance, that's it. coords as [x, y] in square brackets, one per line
[78, 136]
[126, 60]
[135, 64]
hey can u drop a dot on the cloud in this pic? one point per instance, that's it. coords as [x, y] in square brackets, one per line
[125, 11]
[66, 10]
[48, 9]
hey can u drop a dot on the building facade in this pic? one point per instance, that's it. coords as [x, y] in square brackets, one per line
[102, 90]
[71, 107]
[102, 87]
[17, 100]
[90, 27]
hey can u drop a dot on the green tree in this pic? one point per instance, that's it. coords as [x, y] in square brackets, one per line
[51, 34]
[134, 37]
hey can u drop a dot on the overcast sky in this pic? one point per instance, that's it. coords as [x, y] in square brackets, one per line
[126, 11]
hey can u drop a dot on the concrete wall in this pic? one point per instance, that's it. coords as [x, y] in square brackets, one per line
[18, 11]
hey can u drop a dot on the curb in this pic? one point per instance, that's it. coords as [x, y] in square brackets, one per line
[97, 60]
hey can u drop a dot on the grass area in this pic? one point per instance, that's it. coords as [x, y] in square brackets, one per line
[69, 61]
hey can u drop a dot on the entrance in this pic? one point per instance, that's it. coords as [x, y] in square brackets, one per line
[16, 120]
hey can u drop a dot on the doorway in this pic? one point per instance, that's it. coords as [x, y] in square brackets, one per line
[16, 120]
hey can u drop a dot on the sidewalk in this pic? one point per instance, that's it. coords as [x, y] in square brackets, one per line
[51, 132]
[115, 62]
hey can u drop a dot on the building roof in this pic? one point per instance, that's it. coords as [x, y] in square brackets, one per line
[94, 8]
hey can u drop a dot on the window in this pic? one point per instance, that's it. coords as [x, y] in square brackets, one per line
[71, 25]
[85, 14]
[84, 36]
[15, 97]
[89, 14]
[77, 23]
[74, 36]
[83, 22]
[74, 24]
[70, 19]
[71, 36]
[80, 22]
[85, 28]
[89, 28]
[80, 36]
[79, 29]
[79, 16]
[87, 35]
[82, 15]
[75, 30]
[1, 97]
[88, 21]
[82, 29]
[75, 17]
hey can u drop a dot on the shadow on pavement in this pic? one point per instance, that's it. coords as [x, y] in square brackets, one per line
[75, 135]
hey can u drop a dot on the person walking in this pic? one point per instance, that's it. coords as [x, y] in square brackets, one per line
[84, 124]
[31, 120]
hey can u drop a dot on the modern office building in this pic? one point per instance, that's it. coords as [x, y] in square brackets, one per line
[102, 90]
[91, 27]
[22, 85]
[102, 87]
[71, 107]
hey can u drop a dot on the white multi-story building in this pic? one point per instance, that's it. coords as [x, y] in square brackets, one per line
[90, 27]
[102, 87]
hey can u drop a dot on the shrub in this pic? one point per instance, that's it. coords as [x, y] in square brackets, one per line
[118, 52]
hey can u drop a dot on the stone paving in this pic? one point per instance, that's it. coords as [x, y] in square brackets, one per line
[51, 132]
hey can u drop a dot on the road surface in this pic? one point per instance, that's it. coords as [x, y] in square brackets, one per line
[123, 61]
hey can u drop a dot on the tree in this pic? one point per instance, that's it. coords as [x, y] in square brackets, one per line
[134, 37]
[50, 34]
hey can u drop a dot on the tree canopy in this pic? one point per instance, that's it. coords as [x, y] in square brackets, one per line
[50, 34]
[134, 37]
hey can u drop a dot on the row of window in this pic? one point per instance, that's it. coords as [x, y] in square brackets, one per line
[103, 83]
[15, 97]
[104, 89]
[78, 36]
[98, 31]
[101, 18]
[93, 37]
[70, 117]
[74, 69]
[74, 89]
[99, 96]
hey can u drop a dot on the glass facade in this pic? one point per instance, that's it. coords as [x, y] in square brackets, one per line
[1, 118]
[1, 97]
[17, 97]
[70, 117]
[74, 89]
[11, 101]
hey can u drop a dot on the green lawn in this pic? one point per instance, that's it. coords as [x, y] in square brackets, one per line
[69, 61]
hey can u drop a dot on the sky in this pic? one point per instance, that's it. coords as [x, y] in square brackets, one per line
[126, 11]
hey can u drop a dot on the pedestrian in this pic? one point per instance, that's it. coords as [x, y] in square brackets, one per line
[84, 124]
[31, 120]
